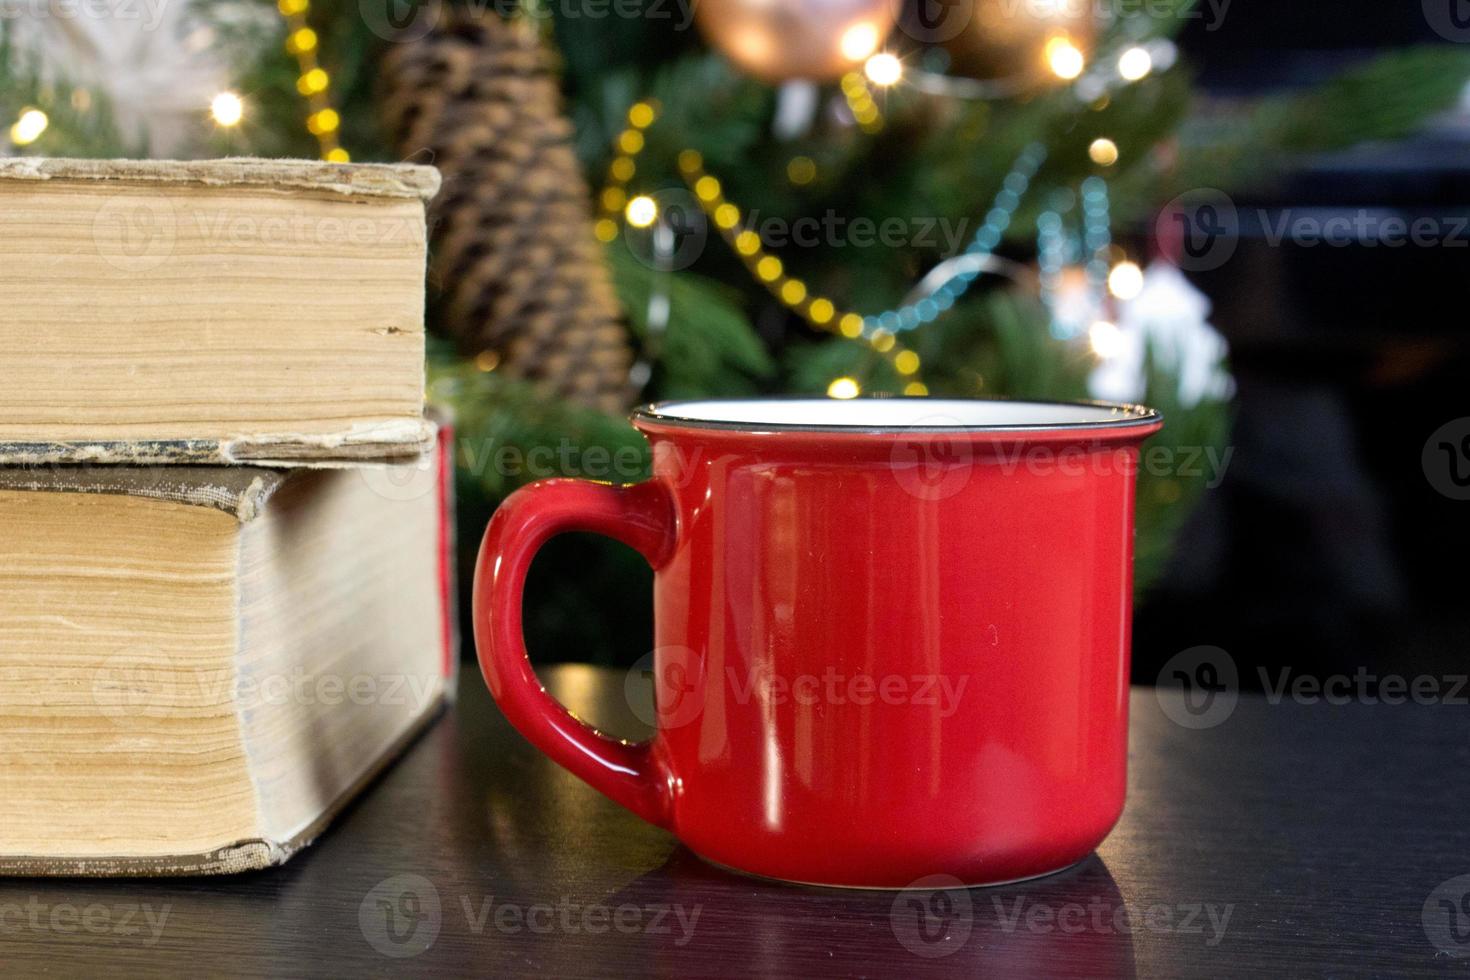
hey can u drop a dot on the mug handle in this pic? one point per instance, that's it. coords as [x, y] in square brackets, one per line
[640, 516]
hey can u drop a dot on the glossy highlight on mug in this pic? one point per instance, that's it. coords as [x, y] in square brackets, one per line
[891, 634]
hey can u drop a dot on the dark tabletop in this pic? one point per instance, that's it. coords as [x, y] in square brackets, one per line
[1286, 839]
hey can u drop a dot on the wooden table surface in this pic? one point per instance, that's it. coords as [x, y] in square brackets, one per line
[1289, 840]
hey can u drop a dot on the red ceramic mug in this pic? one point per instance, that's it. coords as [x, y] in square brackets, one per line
[892, 635]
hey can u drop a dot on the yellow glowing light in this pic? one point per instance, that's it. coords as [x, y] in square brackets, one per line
[227, 109]
[707, 188]
[727, 216]
[882, 341]
[338, 155]
[487, 360]
[768, 268]
[312, 82]
[906, 361]
[606, 230]
[916, 388]
[852, 84]
[1106, 339]
[290, 8]
[640, 115]
[690, 161]
[844, 388]
[858, 41]
[851, 326]
[28, 127]
[793, 291]
[623, 169]
[801, 170]
[302, 39]
[866, 114]
[884, 69]
[642, 211]
[747, 243]
[1064, 58]
[1104, 152]
[614, 198]
[1126, 280]
[631, 141]
[1135, 63]
[323, 121]
[821, 310]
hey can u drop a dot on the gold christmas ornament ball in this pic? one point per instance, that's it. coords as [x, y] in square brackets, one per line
[994, 39]
[782, 40]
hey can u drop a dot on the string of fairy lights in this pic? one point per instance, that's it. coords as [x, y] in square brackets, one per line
[1108, 271]
[322, 120]
[793, 293]
[227, 108]
[642, 211]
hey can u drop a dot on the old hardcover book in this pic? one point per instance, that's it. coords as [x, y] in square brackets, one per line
[199, 666]
[215, 311]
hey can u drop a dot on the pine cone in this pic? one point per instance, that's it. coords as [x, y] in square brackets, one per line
[513, 254]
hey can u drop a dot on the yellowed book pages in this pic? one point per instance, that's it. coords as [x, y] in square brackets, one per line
[228, 311]
[200, 666]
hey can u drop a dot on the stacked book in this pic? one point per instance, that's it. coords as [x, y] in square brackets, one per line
[225, 600]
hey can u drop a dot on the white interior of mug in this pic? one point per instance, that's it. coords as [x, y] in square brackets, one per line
[894, 413]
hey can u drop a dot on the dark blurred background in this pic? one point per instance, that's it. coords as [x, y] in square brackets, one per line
[1327, 547]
